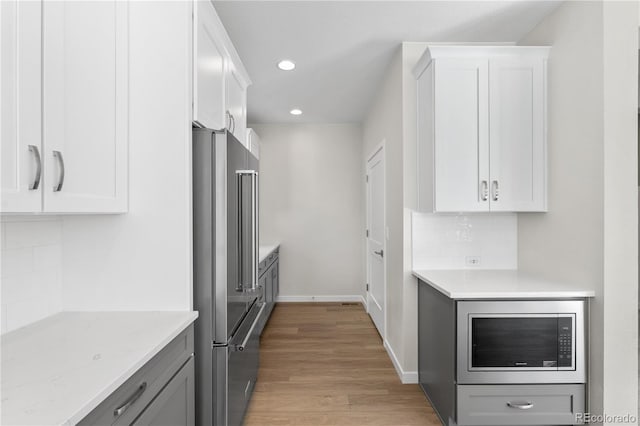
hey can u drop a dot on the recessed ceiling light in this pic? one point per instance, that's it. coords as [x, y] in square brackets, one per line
[286, 65]
[295, 111]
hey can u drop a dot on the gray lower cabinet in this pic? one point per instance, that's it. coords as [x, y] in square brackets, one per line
[270, 281]
[481, 404]
[161, 392]
[519, 404]
[275, 279]
[174, 404]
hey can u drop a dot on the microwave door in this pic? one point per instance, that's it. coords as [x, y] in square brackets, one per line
[537, 341]
[514, 342]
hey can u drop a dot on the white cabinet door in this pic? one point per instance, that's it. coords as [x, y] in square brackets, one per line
[461, 130]
[209, 67]
[237, 104]
[253, 142]
[20, 109]
[85, 106]
[518, 154]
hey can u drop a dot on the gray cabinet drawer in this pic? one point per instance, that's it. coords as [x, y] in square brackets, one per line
[175, 404]
[493, 405]
[137, 392]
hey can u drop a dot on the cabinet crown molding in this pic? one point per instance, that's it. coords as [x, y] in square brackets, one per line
[472, 51]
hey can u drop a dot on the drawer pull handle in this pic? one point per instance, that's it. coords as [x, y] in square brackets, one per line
[129, 402]
[520, 405]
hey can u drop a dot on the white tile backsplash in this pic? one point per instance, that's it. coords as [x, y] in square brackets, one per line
[32, 233]
[448, 241]
[31, 271]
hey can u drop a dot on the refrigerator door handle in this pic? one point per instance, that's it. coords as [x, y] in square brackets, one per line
[247, 274]
[242, 345]
[240, 242]
[255, 224]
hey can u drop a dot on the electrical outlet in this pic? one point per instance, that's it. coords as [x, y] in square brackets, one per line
[472, 261]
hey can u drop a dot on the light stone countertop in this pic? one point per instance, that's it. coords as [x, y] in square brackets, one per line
[266, 250]
[57, 370]
[498, 284]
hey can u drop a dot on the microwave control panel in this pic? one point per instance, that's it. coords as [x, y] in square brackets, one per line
[565, 338]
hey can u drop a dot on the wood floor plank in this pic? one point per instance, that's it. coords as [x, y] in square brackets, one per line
[324, 364]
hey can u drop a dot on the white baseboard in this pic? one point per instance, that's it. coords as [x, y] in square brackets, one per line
[406, 377]
[347, 299]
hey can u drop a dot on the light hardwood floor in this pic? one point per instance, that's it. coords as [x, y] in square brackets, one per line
[324, 364]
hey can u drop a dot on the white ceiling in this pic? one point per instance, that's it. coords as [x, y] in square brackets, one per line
[342, 48]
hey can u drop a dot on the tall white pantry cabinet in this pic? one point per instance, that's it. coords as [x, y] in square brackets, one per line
[64, 112]
[482, 129]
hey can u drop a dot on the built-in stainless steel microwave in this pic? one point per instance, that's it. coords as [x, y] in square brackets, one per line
[506, 341]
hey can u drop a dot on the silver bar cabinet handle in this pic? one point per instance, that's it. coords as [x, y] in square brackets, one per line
[129, 402]
[36, 179]
[58, 156]
[520, 405]
[495, 190]
[484, 190]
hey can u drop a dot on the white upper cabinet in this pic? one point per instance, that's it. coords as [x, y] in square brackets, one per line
[85, 106]
[481, 129]
[517, 133]
[253, 142]
[460, 126]
[237, 104]
[208, 68]
[20, 95]
[220, 80]
[64, 120]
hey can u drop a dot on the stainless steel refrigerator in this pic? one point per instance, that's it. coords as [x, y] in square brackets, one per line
[226, 291]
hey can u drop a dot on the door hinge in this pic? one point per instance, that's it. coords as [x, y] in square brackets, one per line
[367, 178]
[367, 233]
[367, 286]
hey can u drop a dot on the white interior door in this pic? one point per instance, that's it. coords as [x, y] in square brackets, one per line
[376, 294]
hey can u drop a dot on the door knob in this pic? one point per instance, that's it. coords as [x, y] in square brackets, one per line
[380, 253]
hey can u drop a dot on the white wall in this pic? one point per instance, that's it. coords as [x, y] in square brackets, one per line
[589, 236]
[312, 202]
[135, 261]
[142, 260]
[620, 58]
[392, 117]
[31, 264]
[384, 122]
